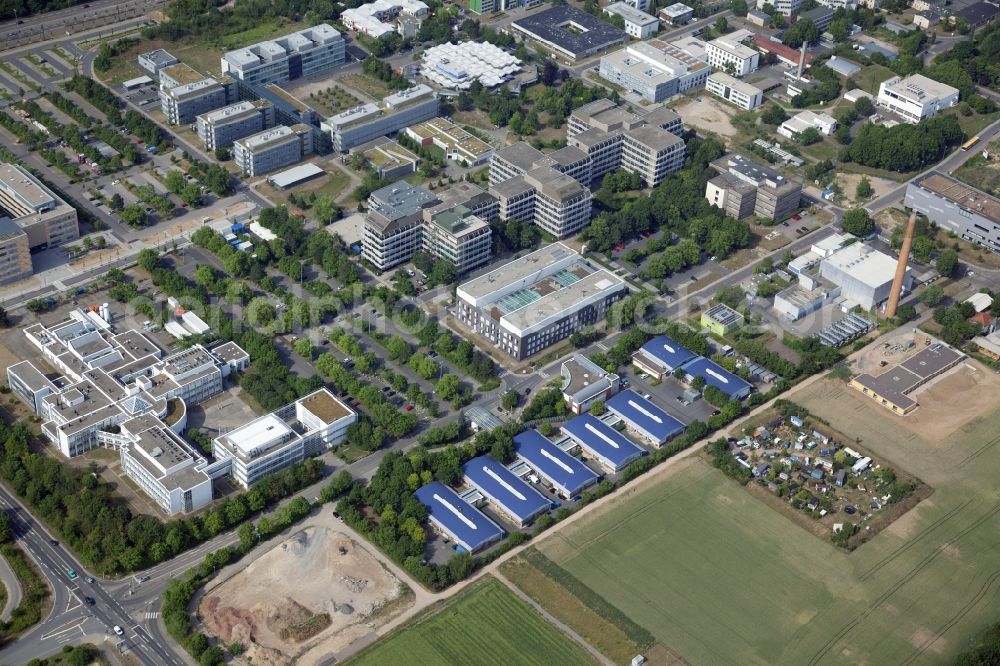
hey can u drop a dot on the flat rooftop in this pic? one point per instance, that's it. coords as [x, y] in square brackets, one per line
[602, 441]
[26, 190]
[736, 84]
[254, 438]
[571, 29]
[183, 74]
[919, 88]
[505, 488]
[863, 263]
[559, 468]
[517, 270]
[630, 13]
[325, 406]
[400, 200]
[644, 416]
[962, 195]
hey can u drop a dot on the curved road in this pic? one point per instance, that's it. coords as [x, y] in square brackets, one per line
[13, 587]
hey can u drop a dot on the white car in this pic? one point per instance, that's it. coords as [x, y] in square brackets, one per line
[118, 630]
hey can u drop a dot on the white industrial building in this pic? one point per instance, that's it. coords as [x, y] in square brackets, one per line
[654, 69]
[272, 442]
[638, 23]
[456, 66]
[734, 91]
[364, 123]
[916, 97]
[376, 19]
[272, 149]
[535, 301]
[729, 54]
[299, 54]
[822, 122]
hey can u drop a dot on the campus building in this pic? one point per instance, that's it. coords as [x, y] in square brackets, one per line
[729, 54]
[644, 418]
[520, 158]
[676, 14]
[361, 124]
[916, 97]
[863, 274]
[721, 319]
[513, 497]
[951, 204]
[378, 18]
[467, 526]
[32, 218]
[302, 429]
[893, 388]
[568, 32]
[387, 158]
[153, 61]
[403, 219]
[567, 475]
[745, 96]
[821, 122]
[272, 149]
[185, 93]
[783, 7]
[120, 390]
[220, 128]
[655, 70]
[554, 201]
[458, 144]
[535, 301]
[303, 53]
[663, 356]
[584, 383]
[601, 442]
[456, 66]
[614, 139]
[745, 187]
[638, 24]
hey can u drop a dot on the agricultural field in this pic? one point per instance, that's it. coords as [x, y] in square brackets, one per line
[486, 624]
[719, 577]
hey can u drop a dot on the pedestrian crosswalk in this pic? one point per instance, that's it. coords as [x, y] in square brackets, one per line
[151, 615]
[544, 374]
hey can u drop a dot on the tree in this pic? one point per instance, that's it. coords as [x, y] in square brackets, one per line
[863, 105]
[947, 262]
[721, 25]
[698, 383]
[905, 313]
[222, 154]
[840, 29]
[448, 386]
[117, 203]
[510, 400]
[325, 209]
[857, 221]
[739, 7]
[304, 348]
[774, 115]
[808, 136]
[864, 189]
[133, 215]
[803, 31]
[191, 195]
[932, 295]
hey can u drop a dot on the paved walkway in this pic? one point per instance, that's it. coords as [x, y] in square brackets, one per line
[13, 586]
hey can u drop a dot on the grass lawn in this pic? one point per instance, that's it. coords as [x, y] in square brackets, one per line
[869, 78]
[367, 85]
[827, 149]
[974, 124]
[720, 578]
[486, 624]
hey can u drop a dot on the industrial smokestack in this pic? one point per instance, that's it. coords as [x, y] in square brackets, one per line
[802, 60]
[904, 257]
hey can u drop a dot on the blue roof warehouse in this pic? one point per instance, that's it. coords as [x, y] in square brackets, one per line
[720, 378]
[661, 356]
[566, 474]
[510, 494]
[467, 525]
[644, 417]
[613, 449]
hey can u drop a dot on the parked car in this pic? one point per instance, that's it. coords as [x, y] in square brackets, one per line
[796, 217]
[71, 574]
[409, 407]
[118, 630]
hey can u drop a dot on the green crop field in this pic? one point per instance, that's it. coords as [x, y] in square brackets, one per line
[721, 578]
[485, 625]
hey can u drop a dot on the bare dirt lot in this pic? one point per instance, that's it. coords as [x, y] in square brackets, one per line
[849, 183]
[709, 115]
[305, 599]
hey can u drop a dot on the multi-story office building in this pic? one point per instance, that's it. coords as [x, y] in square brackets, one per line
[303, 53]
[743, 183]
[951, 204]
[520, 158]
[366, 122]
[783, 7]
[916, 97]
[458, 144]
[729, 54]
[453, 225]
[220, 128]
[297, 431]
[733, 90]
[185, 94]
[655, 70]
[638, 23]
[676, 14]
[537, 300]
[600, 129]
[821, 17]
[32, 218]
[153, 61]
[568, 31]
[378, 18]
[554, 201]
[272, 149]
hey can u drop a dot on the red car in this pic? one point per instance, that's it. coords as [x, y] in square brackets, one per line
[647, 234]
[796, 217]
[408, 408]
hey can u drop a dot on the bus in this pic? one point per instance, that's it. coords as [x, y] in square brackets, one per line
[970, 143]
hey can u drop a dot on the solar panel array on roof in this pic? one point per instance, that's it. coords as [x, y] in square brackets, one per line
[645, 417]
[612, 448]
[464, 523]
[502, 487]
[720, 378]
[567, 474]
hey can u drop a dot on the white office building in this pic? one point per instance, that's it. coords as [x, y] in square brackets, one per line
[364, 123]
[655, 70]
[729, 54]
[272, 149]
[638, 24]
[916, 97]
[783, 7]
[745, 96]
[220, 128]
[378, 18]
[303, 53]
[300, 430]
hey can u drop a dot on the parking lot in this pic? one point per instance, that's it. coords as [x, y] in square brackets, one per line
[667, 396]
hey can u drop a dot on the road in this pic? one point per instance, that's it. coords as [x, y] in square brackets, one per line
[85, 16]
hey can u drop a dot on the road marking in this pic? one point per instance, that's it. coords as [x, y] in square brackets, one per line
[151, 615]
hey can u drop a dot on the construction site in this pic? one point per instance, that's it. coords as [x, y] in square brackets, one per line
[305, 599]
